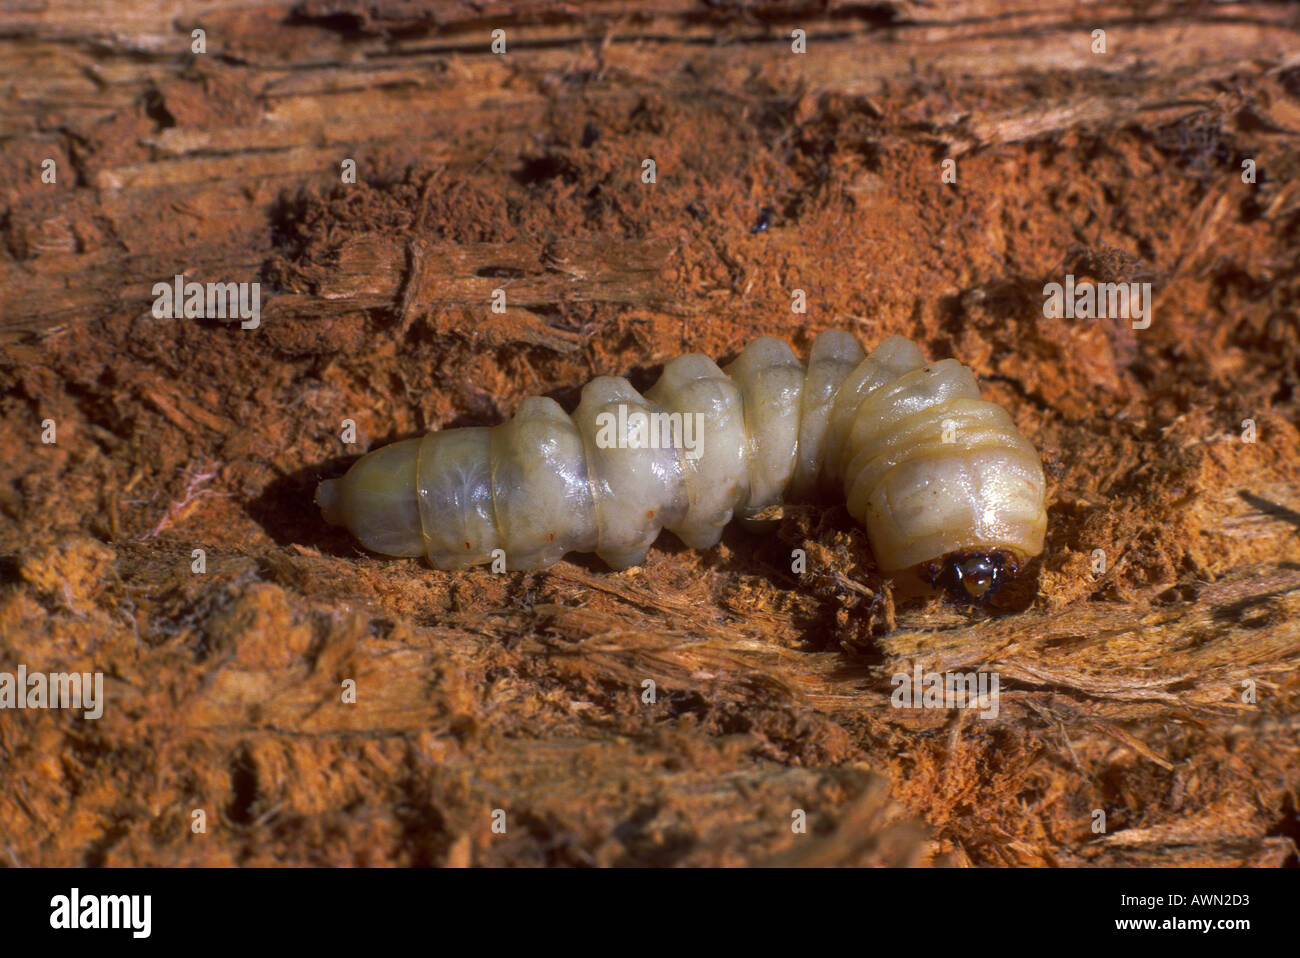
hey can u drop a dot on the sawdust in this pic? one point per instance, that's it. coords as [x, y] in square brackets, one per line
[1158, 687]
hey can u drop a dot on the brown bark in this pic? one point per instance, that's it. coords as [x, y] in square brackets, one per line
[1122, 691]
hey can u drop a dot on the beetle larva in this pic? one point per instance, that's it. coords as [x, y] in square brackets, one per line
[941, 479]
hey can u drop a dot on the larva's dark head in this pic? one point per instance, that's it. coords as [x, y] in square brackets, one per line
[974, 576]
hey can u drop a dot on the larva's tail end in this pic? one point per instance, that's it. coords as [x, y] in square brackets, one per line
[377, 501]
[329, 497]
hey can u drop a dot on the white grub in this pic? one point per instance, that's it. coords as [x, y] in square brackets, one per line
[925, 464]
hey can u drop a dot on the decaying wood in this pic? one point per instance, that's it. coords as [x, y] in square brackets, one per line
[1159, 687]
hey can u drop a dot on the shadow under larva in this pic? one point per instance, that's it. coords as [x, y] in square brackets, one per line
[940, 478]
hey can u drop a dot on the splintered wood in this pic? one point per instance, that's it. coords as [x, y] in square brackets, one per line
[385, 177]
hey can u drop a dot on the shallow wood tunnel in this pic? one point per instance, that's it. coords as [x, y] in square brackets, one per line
[1147, 671]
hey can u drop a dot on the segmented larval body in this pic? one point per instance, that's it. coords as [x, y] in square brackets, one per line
[927, 466]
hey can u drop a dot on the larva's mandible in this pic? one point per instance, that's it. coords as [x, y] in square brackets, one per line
[940, 478]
